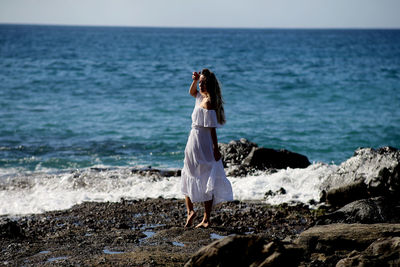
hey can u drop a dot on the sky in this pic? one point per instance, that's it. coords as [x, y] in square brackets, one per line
[206, 13]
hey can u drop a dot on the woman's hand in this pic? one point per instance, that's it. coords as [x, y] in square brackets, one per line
[195, 76]
[217, 154]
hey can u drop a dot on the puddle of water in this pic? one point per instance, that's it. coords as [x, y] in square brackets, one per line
[151, 226]
[216, 236]
[146, 230]
[44, 252]
[106, 251]
[138, 215]
[56, 259]
[148, 234]
[178, 244]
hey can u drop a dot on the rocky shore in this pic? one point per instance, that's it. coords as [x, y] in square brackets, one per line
[138, 233]
[356, 223]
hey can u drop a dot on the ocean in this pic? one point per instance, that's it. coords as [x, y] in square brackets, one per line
[73, 98]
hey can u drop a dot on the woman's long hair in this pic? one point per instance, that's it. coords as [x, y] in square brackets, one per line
[214, 90]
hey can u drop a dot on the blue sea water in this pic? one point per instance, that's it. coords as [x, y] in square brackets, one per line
[75, 97]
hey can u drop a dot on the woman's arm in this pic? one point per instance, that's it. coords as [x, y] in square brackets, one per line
[217, 154]
[193, 87]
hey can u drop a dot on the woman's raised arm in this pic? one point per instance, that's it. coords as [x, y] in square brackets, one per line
[193, 86]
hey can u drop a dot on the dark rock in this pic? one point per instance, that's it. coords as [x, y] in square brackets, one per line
[97, 169]
[341, 196]
[266, 158]
[329, 238]
[234, 152]
[246, 251]
[243, 157]
[382, 252]
[322, 196]
[270, 193]
[11, 229]
[156, 173]
[123, 225]
[372, 210]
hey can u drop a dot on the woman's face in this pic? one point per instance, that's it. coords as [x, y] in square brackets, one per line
[202, 84]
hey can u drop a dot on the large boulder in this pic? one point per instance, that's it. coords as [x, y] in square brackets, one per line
[371, 210]
[382, 252]
[351, 245]
[330, 238]
[340, 196]
[369, 173]
[246, 251]
[328, 245]
[266, 158]
[236, 151]
[242, 157]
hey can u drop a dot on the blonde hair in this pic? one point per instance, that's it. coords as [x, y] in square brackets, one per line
[214, 90]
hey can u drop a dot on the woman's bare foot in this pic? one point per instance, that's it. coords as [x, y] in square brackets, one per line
[190, 218]
[203, 224]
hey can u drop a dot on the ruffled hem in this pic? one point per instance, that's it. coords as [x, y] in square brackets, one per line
[217, 187]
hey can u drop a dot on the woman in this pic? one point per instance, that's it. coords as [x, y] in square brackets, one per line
[203, 175]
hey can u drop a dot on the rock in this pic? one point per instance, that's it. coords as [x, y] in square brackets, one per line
[266, 158]
[280, 254]
[270, 193]
[156, 174]
[328, 239]
[234, 152]
[338, 197]
[372, 210]
[376, 172]
[229, 251]
[246, 251]
[243, 157]
[383, 252]
[11, 229]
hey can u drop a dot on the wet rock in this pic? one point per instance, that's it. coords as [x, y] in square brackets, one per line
[372, 210]
[383, 252]
[369, 171]
[278, 253]
[243, 157]
[97, 169]
[341, 196]
[246, 251]
[235, 151]
[10, 229]
[265, 158]
[270, 193]
[156, 173]
[328, 239]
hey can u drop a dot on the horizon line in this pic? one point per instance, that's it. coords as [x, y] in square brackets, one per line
[199, 27]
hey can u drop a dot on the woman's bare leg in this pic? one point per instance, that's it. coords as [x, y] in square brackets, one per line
[207, 213]
[191, 214]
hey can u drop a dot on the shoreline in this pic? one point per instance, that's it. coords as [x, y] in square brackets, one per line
[357, 221]
[138, 232]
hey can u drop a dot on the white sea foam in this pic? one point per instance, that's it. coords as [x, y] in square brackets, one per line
[300, 185]
[38, 192]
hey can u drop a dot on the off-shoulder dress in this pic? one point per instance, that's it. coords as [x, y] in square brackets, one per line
[203, 178]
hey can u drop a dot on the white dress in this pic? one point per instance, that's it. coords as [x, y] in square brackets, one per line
[203, 178]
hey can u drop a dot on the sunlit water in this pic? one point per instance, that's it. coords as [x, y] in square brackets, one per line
[77, 97]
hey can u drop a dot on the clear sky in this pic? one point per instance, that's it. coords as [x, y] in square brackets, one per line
[206, 13]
